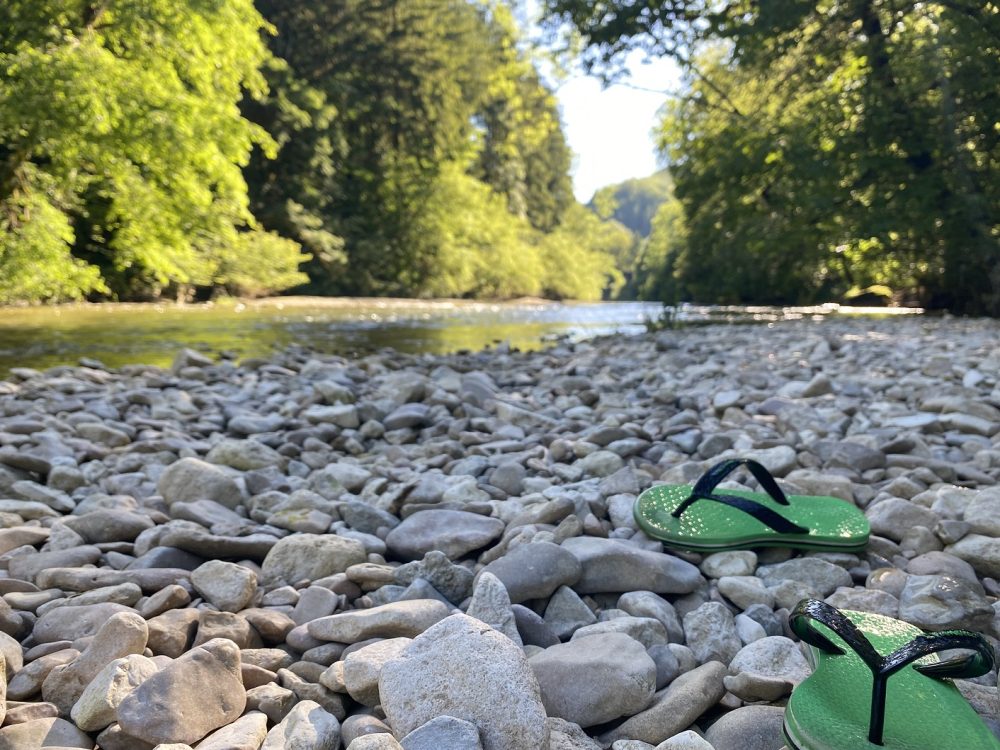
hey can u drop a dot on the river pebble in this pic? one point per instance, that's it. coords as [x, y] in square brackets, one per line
[392, 550]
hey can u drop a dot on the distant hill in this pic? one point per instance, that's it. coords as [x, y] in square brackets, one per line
[634, 202]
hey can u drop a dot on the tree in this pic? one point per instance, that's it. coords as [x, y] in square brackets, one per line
[120, 141]
[379, 109]
[823, 146]
[522, 149]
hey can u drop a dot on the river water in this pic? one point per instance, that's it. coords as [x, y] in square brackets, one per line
[118, 334]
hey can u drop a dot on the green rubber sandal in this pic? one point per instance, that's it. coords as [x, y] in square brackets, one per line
[702, 520]
[878, 684]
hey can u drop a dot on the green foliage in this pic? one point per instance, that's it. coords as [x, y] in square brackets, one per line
[634, 202]
[485, 252]
[120, 136]
[656, 267]
[824, 147]
[580, 255]
[419, 151]
[35, 263]
[522, 150]
[259, 263]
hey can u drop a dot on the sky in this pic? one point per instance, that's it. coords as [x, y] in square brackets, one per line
[610, 129]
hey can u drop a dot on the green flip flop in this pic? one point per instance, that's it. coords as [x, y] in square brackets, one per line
[702, 520]
[878, 684]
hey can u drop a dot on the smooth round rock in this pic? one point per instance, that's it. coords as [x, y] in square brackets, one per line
[535, 570]
[453, 532]
[308, 557]
[592, 680]
[465, 669]
[193, 695]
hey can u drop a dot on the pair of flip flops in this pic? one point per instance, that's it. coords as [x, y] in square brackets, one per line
[849, 702]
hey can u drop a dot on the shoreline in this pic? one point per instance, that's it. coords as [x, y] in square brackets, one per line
[376, 543]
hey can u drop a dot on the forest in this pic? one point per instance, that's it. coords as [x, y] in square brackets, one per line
[182, 149]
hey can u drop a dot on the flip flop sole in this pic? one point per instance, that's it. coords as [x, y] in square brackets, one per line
[831, 708]
[713, 527]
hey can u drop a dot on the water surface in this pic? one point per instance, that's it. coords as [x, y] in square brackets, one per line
[118, 334]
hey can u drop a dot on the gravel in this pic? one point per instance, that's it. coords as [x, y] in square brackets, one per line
[420, 551]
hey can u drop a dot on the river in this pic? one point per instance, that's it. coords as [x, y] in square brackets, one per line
[119, 334]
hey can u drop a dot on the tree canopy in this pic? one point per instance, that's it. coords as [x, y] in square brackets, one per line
[436, 158]
[406, 147]
[121, 147]
[819, 148]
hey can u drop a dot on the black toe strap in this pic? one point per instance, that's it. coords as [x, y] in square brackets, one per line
[980, 661]
[704, 490]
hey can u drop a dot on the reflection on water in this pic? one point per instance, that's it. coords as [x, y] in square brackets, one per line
[152, 334]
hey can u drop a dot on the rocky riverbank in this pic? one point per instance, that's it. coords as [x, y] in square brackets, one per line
[417, 551]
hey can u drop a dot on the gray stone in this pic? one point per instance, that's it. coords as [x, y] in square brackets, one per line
[687, 740]
[347, 476]
[28, 566]
[194, 479]
[751, 688]
[893, 516]
[774, 657]
[406, 619]
[600, 463]
[95, 709]
[646, 630]
[307, 557]
[735, 563]
[748, 629]
[592, 680]
[865, 600]
[675, 708]
[566, 612]
[28, 681]
[452, 580]
[245, 455]
[195, 694]
[565, 735]
[818, 575]
[246, 733]
[453, 532]
[748, 728]
[123, 634]
[981, 552]
[228, 586]
[375, 742]
[407, 415]
[491, 604]
[532, 629]
[648, 604]
[306, 727]
[778, 460]
[943, 603]
[711, 633]
[40, 733]
[983, 513]
[610, 565]
[358, 725]
[535, 571]
[465, 669]
[362, 668]
[942, 563]
[443, 733]
[106, 525]
[745, 591]
[313, 603]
